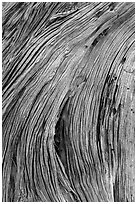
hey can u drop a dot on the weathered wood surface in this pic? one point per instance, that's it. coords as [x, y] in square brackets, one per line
[68, 102]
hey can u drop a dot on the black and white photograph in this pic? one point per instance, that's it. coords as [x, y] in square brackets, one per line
[68, 101]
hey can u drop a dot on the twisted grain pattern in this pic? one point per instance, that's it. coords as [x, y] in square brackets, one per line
[68, 102]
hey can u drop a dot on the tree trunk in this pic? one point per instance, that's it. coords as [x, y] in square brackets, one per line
[68, 102]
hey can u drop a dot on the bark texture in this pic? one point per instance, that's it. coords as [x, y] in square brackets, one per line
[68, 102]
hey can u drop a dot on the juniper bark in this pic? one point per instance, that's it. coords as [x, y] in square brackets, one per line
[68, 102]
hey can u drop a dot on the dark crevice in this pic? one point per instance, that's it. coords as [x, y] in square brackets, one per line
[115, 191]
[111, 6]
[101, 35]
[60, 134]
[99, 13]
[95, 42]
[114, 111]
[123, 60]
